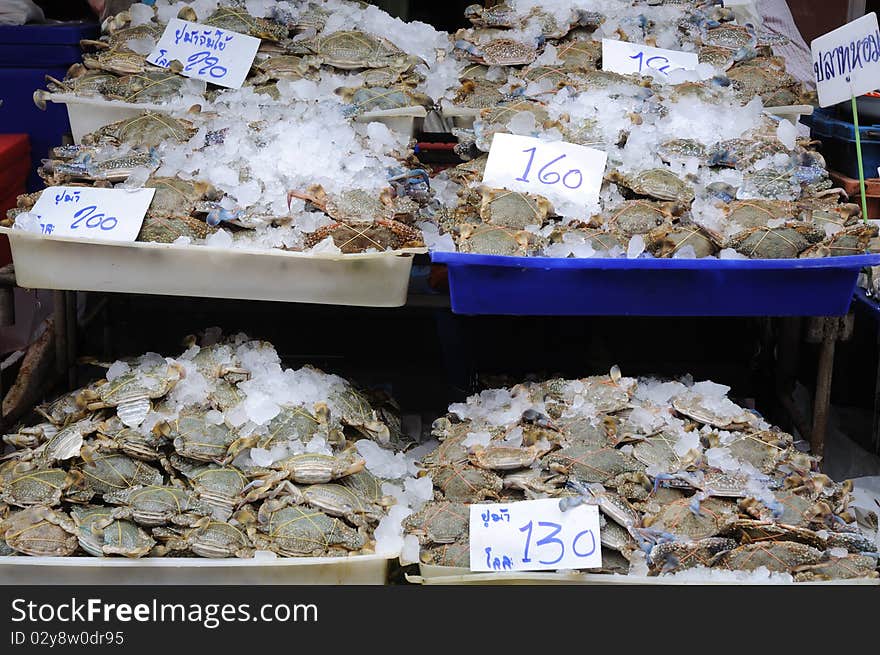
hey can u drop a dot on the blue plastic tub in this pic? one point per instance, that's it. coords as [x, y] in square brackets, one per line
[27, 54]
[535, 286]
[838, 139]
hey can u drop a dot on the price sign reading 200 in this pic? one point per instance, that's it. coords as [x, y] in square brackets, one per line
[573, 179]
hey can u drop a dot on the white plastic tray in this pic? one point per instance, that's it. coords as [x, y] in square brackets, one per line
[356, 570]
[449, 575]
[367, 280]
[88, 114]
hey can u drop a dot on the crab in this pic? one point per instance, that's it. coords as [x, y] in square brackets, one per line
[305, 468]
[293, 531]
[352, 50]
[718, 57]
[674, 556]
[614, 536]
[105, 473]
[100, 535]
[757, 213]
[30, 437]
[282, 67]
[579, 54]
[533, 483]
[778, 556]
[381, 98]
[40, 532]
[477, 94]
[338, 500]
[44, 487]
[500, 15]
[640, 216]
[681, 519]
[669, 241]
[82, 83]
[353, 409]
[454, 555]
[731, 37]
[658, 452]
[763, 450]
[157, 505]
[119, 38]
[114, 436]
[466, 483]
[505, 458]
[380, 235]
[149, 129]
[118, 61]
[148, 86]
[196, 437]
[854, 240]
[292, 422]
[168, 229]
[131, 393]
[64, 409]
[237, 19]
[682, 149]
[720, 413]
[450, 450]
[591, 464]
[357, 206]
[218, 487]
[498, 52]
[115, 169]
[755, 531]
[513, 209]
[659, 183]
[612, 505]
[67, 442]
[850, 567]
[495, 240]
[786, 242]
[212, 539]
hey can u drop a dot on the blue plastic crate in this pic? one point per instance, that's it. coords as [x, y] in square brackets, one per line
[838, 139]
[27, 54]
[535, 286]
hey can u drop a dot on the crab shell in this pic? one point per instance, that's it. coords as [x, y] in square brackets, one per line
[514, 209]
[381, 234]
[495, 240]
[779, 556]
[40, 532]
[499, 52]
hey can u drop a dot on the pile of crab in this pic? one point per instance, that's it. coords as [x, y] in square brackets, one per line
[227, 170]
[683, 477]
[198, 456]
[696, 168]
[376, 73]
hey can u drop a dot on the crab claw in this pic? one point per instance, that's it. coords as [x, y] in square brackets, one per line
[40, 98]
[694, 505]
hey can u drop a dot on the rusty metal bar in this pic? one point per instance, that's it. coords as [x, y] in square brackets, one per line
[824, 374]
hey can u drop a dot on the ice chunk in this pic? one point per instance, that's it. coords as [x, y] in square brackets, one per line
[477, 439]
[116, 370]
[418, 491]
[730, 253]
[141, 14]
[409, 553]
[636, 247]
[787, 133]
[687, 442]
[260, 408]
[380, 462]
[220, 239]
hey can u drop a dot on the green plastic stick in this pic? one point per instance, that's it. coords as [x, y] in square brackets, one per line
[855, 110]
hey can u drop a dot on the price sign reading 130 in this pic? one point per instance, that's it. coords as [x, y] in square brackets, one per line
[534, 535]
[554, 169]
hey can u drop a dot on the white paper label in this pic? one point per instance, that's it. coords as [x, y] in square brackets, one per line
[207, 53]
[534, 535]
[101, 214]
[846, 62]
[626, 58]
[554, 169]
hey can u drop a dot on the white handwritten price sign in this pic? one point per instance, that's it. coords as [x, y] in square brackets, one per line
[846, 62]
[626, 58]
[103, 214]
[534, 535]
[207, 53]
[554, 169]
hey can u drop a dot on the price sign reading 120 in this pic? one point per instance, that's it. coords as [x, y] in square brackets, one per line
[554, 169]
[534, 536]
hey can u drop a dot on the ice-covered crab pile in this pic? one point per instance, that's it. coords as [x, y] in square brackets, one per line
[684, 478]
[289, 161]
[219, 452]
[696, 168]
